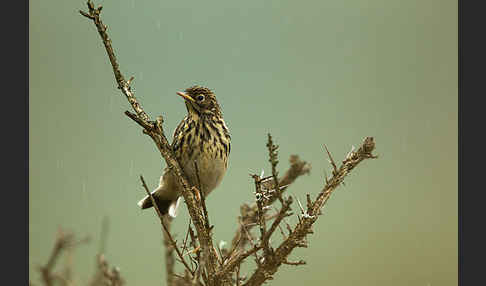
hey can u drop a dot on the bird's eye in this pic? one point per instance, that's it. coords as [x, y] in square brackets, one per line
[200, 97]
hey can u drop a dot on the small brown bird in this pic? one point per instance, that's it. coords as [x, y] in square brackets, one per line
[201, 138]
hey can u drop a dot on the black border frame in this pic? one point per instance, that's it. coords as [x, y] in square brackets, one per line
[15, 135]
[472, 63]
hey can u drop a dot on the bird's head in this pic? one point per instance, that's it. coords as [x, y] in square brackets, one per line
[201, 101]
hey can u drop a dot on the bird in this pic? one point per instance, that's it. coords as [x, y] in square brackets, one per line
[201, 144]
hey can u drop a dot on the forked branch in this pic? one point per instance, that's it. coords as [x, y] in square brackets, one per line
[303, 228]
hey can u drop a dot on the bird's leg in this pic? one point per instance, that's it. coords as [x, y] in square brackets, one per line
[196, 193]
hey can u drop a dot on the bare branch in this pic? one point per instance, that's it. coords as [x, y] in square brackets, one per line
[249, 214]
[331, 160]
[94, 15]
[273, 159]
[260, 198]
[161, 142]
[238, 276]
[236, 260]
[187, 236]
[104, 234]
[106, 276]
[169, 254]
[64, 241]
[301, 230]
[164, 226]
[280, 216]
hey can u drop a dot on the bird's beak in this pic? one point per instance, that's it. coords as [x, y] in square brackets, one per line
[185, 96]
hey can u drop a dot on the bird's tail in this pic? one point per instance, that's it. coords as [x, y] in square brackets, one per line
[165, 206]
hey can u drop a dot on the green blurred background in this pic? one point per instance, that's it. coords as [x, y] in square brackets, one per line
[310, 73]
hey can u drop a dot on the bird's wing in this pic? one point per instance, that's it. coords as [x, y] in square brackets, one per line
[176, 137]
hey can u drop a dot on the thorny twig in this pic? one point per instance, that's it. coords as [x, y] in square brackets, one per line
[169, 253]
[280, 216]
[165, 228]
[249, 214]
[64, 241]
[273, 159]
[106, 276]
[331, 160]
[301, 230]
[260, 199]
